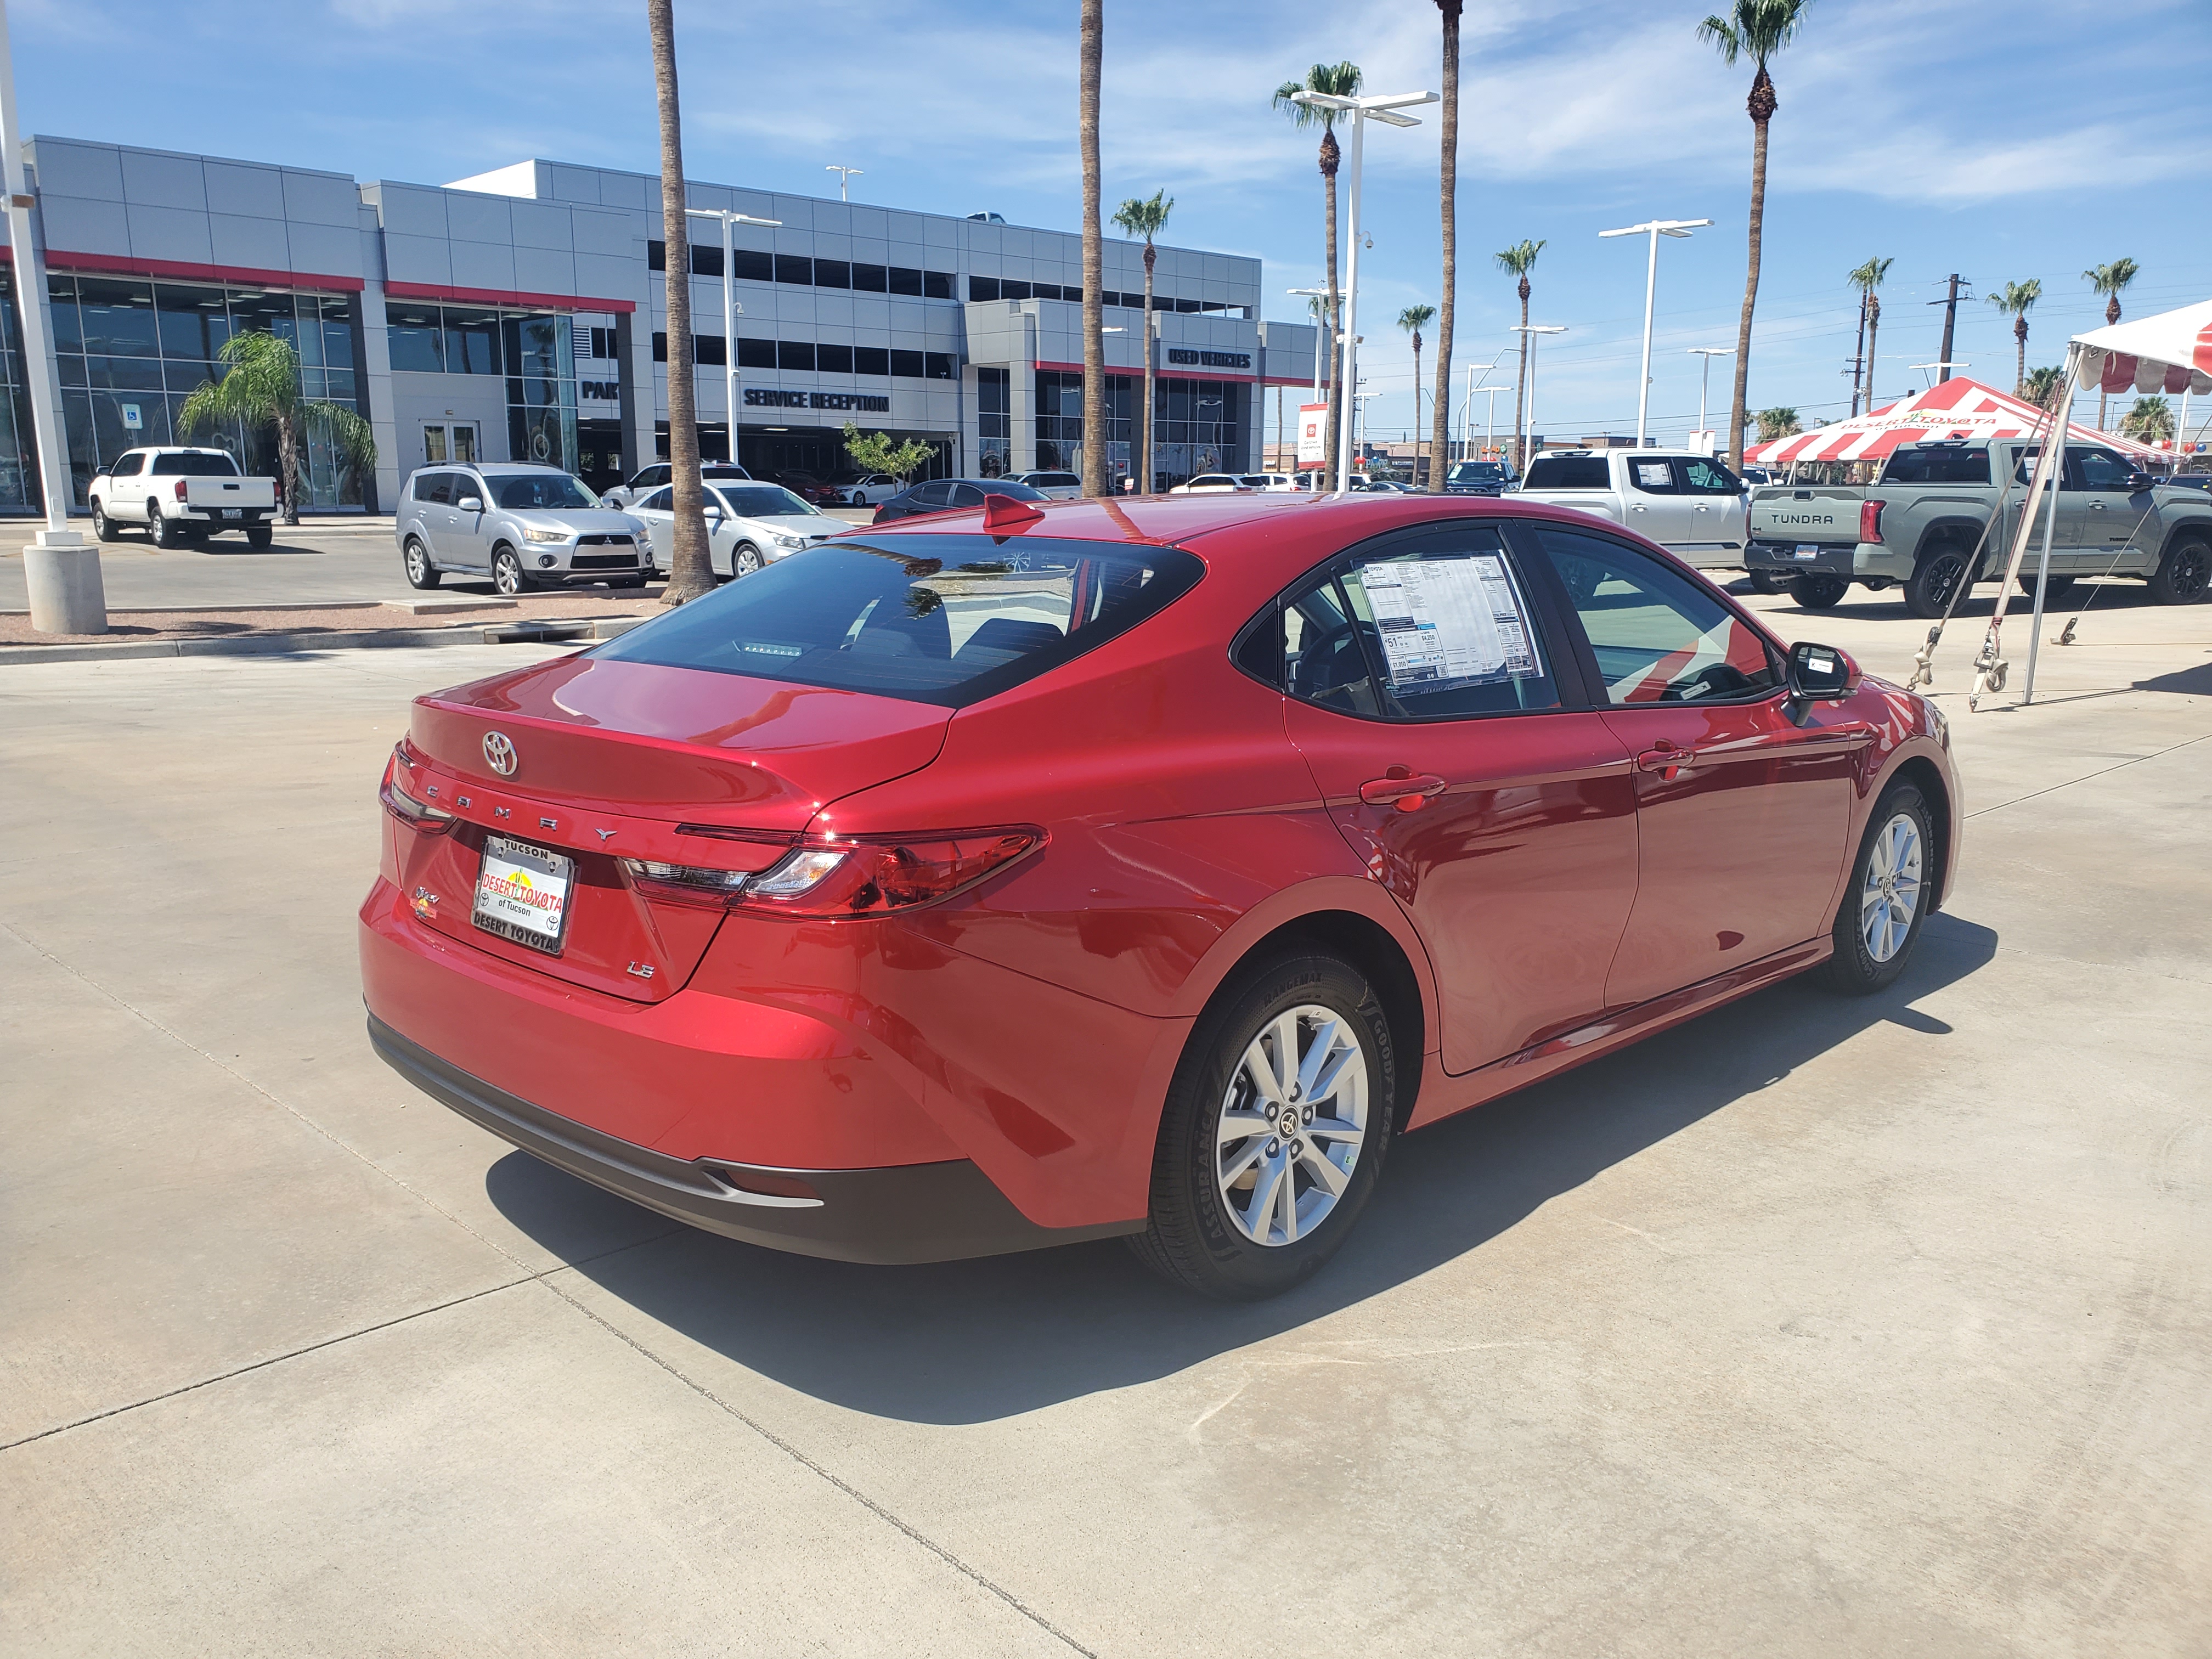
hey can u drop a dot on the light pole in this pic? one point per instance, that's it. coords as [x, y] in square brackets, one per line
[1388, 110]
[844, 178]
[1489, 417]
[1705, 377]
[730, 310]
[1320, 351]
[1532, 329]
[1655, 229]
[1359, 416]
[61, 568]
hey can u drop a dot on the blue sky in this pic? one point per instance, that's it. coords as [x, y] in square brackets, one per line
[2030, 142]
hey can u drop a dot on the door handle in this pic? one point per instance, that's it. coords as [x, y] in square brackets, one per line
[2096, 507]
[1666, 760]
[1409, 790]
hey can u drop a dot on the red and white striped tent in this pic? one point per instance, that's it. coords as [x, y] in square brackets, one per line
[1954, 409]
[2171, 352]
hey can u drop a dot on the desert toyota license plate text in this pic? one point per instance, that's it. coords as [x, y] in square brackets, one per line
[522, 893]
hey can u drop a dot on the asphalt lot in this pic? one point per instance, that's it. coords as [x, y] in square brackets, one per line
[1813, 1327]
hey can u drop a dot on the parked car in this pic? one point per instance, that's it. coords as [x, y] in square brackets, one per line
[2189, 480]
[1917, 526]
[1319, 481]
[895, 904]
[1212, 484]
[181, 495]
[747, 525]
[1759, 475]
[1274, 484]
[942, 494]
[869, 488]
[807, 487]
[1054, 486]
[1691, 505]
[1478, 478]
[646, 479]
[522, 525]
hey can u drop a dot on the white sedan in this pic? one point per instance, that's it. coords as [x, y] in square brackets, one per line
[873, 489]
[1053, 486]
[747, 525]
[1213, 483]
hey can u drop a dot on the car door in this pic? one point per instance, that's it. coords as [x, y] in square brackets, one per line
[1742, 811]
[466, 541]
[126, 493]
[432, 510]
[931, 497]
[653, 511]
[1718, 523]
[1650, 503]
[1458, 756]
[2106, 514]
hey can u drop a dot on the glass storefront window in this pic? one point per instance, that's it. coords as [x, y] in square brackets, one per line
[192, 322]
[118, 318]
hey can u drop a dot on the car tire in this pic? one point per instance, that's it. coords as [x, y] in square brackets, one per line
[103, 527]
[1874, 938]
[2183, 575]
[1934, 575]
[162, 532]
[1207, 1234]
[1767, 581]
[260, 536]
[2057, 590]
[415, 558]
[1818, 592]
[745, 559]
[626, 584]
[507, 575]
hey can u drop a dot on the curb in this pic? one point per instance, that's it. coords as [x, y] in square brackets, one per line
[277, 645]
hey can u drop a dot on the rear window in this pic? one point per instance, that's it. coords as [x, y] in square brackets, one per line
[1568, 472]
[1931, 466]
[1053, 481]
[540, 491]
[941, 619]
[215, 464]
[1477, 472]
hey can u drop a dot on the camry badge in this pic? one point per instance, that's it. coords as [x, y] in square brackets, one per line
[499, 753]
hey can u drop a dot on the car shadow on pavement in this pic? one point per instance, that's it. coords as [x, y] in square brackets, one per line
[974, 1342]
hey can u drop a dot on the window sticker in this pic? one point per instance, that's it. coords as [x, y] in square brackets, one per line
[1449, 622]
[1654, 475]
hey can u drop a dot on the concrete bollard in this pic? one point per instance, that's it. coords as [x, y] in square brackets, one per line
[67, 596]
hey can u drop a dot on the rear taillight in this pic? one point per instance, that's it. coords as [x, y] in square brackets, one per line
[416, 814]
[180, 489]
[685, 883]
[836, 877]
[1870, 520]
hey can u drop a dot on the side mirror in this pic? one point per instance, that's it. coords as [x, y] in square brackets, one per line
[1819, 673]
[713, 511]
[2139, 481]
[470, 504]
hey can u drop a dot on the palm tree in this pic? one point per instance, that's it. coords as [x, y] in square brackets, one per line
[1338, 80]
[2150, 421]
[690, 565]
[1448, 193]
[1776, 424]
[1096, 447]
[261, 386]
[2015, 300]
[1518, 261]
[1414, 319]
[2040, 386]
[1146, 216]
[2109, 279]
[1867, 278]
[1756, 29]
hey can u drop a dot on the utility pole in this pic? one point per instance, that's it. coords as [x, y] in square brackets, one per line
[1950, 325]
[1858, 354]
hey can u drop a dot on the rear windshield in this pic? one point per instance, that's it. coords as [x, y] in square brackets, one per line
[1568, 472]
[1053, 481]
[1477, 472]
[541, 490]
[1933, 465]
[216, 464]
[943, 619]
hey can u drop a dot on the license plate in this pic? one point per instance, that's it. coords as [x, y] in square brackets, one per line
[1805, 550]
[234, 511]
[522, 893]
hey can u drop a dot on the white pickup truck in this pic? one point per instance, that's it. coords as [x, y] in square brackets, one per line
[180, 496]
[1691, 505]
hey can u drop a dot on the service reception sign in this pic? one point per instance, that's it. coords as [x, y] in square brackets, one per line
[1313, 434]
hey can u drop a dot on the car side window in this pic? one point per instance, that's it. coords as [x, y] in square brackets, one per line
[967, 496]
[1651, 477]
[933, 493]
[1699, 477]
[1658, 636]
[131, 465]
[2099, 469]
[657, 501]
[654, 476]
[436, 487]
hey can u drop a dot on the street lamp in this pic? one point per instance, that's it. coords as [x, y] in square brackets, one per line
[1705, 378]
[1532, 329]
[1655, 229]
[1325, 334]
[844, 178]
[1386, 109]
[730, 310]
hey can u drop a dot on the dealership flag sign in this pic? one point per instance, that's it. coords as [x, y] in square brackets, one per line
[1313, 434]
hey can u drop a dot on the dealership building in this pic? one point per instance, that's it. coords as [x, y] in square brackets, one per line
[519, 315]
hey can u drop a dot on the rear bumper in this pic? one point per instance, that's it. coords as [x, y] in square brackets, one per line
[1828, 558]
[941, 1211]
[213, 516]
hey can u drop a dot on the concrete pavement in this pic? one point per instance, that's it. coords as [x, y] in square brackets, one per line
[1813, 1327]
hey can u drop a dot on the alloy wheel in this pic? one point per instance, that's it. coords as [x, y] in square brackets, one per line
[1293, 1124]
[506, 574]
[1889, 896]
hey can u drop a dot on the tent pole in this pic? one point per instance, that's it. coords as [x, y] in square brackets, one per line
[2043, 489]
[2061, 423]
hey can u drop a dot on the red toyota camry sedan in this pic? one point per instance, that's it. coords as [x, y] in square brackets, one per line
[1000, 880]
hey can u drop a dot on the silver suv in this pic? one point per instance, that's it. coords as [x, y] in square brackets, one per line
[524, 525]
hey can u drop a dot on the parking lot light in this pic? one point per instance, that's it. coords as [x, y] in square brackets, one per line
[730, 310]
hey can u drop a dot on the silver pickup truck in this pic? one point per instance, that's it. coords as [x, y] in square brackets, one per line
[1691, 505]
[1916, 527]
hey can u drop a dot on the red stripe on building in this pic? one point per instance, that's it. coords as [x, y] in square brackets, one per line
[180, 271]
[501, 296]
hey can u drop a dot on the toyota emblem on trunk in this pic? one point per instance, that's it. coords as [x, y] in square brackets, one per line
[499, 753]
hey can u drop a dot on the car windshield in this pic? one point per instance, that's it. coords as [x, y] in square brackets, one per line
[765, 501]
[939, 619]
[540, 491]
[215, 466]
[1479, 472]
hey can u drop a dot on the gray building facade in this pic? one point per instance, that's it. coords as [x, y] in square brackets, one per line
[518, 314]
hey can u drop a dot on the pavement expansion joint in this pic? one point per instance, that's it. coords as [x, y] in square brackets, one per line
[2121, 766]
